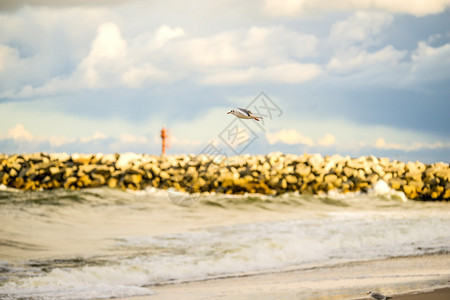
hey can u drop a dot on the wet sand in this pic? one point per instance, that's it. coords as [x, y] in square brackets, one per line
[402, 277]
[439, 294]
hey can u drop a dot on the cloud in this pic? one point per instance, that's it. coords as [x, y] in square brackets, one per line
[381, 143]
[293, 137]
[255, 46]
[19, 139]
[293, 8]
[19, 132]
[359, 30]
[327, 140]
[362, 61]
[257, 54]
[283, 73]
[166, 33]
[429, 64]
[96, 136]
[12, 5]
[288, 136]
[355, 41]
[108, 58]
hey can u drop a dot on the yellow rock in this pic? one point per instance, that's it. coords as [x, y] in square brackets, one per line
[283, 184]
[330, 178]
[396, 183]
[446, 195]
[437, 191]
[112, 182]
[349, 172]
[18, 182]
[84, 181]
[291, 179]
[70, 181]
[81, 158]
[410, 191]
[303, 170]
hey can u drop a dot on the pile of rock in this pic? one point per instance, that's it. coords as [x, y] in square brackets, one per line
[275, 173]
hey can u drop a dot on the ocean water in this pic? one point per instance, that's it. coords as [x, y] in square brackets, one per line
[105, 243]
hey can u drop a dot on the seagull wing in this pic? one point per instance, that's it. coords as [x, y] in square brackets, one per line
[249, 113]
[245, 112]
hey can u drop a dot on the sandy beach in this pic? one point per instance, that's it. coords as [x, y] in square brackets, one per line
[421, 277]
[438, 294]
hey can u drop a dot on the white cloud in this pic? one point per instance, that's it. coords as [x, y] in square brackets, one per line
[8, 55]
[257, 54]
[109, 63]
[381, 143]
[106, 58]
[7, 5]
[166, 33]
[388, 57]
[19, 139]
[283, 73]
[327, 140]
[256, 46]
[307, 7]
[429, 64]
[137, 77]
[175, 141]
[288, 136]
[19, 132]
[130, 138]
[96, 136]
[359, 30]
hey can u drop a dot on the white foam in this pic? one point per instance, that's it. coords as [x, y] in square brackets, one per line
[84, 283]
[236, 250]
[381, 188]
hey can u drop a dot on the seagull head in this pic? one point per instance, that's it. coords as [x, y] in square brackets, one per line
[231, 112]
[369, 292]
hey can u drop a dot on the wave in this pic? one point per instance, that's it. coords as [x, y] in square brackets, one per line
[235, 250]
[134, 240]
[105, 195]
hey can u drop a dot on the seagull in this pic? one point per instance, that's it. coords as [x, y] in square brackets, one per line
[244, 114]
[378, 296]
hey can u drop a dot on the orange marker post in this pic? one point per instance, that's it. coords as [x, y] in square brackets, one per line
[165, 144]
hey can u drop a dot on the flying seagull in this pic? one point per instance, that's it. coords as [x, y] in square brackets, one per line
[244, 114]
[378, 296]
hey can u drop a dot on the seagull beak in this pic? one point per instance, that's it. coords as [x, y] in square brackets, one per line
[229, 112]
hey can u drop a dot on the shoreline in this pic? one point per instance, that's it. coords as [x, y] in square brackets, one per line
[437, 294]
[416, 277]
[271, 174]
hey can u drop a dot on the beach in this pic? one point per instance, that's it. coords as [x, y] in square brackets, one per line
[407, 277]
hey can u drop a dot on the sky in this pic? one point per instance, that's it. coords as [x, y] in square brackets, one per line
[349, 77]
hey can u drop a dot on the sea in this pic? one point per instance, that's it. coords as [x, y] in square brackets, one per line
[105, 243]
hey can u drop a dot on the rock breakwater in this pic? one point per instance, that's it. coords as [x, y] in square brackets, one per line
[274, 173]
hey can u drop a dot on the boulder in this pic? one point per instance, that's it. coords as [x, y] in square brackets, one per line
[410, 191]
[126, 160]
[397, 183]
[82, 159]
[291, 179]
[302, 170]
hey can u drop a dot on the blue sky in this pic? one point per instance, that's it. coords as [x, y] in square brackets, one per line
[351, 77]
